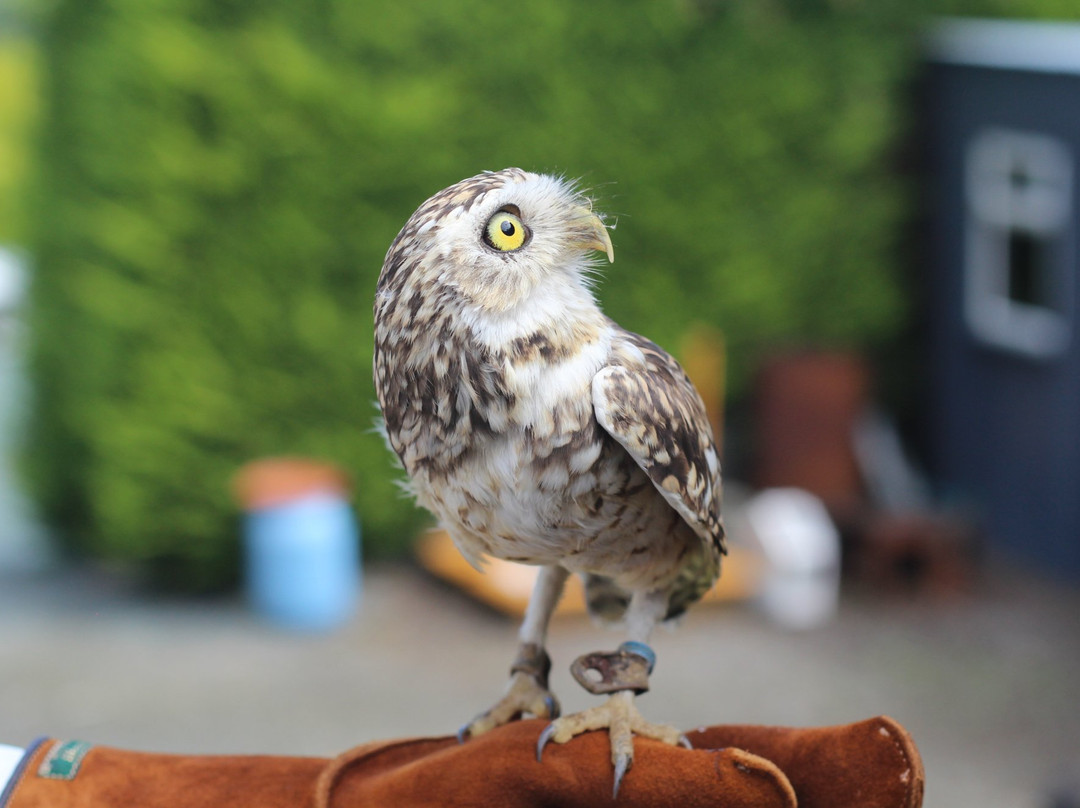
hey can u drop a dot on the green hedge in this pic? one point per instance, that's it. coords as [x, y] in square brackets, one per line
[18, 109]
[219, 181]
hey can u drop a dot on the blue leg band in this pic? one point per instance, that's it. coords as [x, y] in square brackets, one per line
[642, 650]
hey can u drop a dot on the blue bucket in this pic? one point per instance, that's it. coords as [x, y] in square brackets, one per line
[303, 562]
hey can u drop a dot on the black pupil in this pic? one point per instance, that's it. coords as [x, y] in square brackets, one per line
[507, 227]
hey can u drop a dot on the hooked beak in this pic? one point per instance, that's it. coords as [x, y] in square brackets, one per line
[594, 235]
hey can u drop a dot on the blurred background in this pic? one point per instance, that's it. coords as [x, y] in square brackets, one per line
[854, 222]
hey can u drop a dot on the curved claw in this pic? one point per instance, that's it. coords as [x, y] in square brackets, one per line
[552, 705]
[463, 733]
[542, 741]
[622, 763]
[684, 742]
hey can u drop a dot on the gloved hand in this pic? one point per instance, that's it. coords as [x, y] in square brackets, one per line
[871, 764]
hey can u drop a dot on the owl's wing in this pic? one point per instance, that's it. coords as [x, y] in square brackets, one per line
[648, 404]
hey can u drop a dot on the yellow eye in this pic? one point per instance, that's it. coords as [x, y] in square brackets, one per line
[505, 232]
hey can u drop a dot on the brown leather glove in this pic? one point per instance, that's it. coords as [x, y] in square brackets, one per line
[871, 764]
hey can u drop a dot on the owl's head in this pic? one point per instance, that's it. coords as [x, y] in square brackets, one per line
[498, 239]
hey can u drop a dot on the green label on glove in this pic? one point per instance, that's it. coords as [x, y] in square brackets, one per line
[64, 759]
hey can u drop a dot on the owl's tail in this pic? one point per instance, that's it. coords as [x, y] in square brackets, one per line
[605, 601]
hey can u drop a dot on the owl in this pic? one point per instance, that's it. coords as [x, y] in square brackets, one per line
[539, 431]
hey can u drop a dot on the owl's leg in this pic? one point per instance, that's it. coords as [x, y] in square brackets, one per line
[624, 674]
[527, 691]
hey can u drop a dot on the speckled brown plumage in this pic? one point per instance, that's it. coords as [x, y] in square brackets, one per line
[531, 425]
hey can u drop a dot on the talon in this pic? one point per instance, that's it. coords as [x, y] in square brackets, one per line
[622, 763]
[552, 705]
[542, 741]
[620, 717]
[463, 733]
[525, 693]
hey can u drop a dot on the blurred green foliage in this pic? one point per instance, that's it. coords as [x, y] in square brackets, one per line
[219, 181]
[19, 99]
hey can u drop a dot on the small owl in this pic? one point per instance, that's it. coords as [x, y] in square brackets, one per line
[539, 431]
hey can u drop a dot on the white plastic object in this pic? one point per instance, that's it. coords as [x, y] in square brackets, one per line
[802, 547]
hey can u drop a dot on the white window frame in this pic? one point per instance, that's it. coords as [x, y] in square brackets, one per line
[997, 208]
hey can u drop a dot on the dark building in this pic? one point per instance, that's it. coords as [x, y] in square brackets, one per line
[1004, 129]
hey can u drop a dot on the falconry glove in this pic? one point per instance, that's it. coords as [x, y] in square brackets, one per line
[870, 764]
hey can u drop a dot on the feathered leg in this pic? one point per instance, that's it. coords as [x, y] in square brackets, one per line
[527, 691]
[623, 674]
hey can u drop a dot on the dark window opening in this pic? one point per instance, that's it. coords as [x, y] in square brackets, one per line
[1029, 273]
